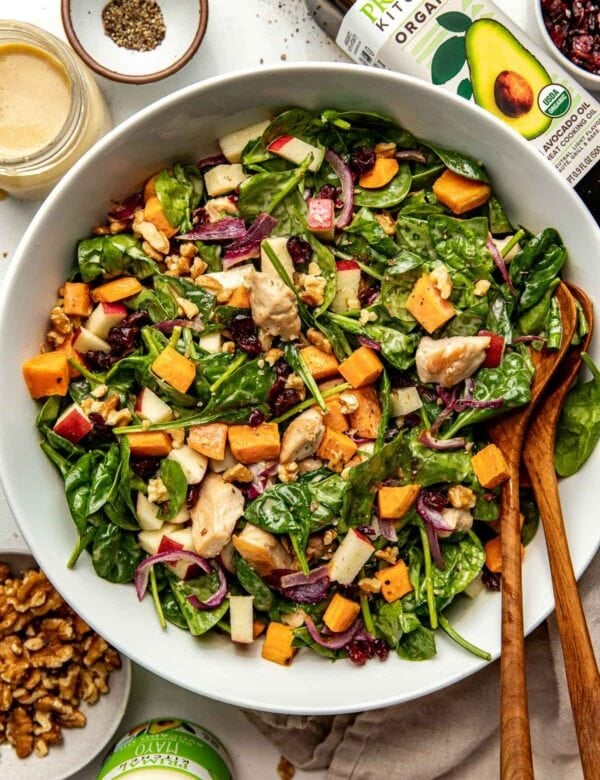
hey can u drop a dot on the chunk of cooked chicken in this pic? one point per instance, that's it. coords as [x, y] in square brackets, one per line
[302, 437]
[263, 551]
[457, 520]
[274, 306]
[449, 361]
[214, 515]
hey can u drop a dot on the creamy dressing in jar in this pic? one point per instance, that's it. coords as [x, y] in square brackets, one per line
[51, 110]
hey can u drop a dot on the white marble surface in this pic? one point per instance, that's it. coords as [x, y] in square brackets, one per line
[240, 34]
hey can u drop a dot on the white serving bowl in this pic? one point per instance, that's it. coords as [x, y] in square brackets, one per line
[184, 126]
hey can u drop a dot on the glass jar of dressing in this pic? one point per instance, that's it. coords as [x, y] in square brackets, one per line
[51, 110]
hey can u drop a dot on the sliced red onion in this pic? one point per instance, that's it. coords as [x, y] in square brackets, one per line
[527, 339]
[217, 597]
[249, 246]
[128, 207]
[411, 155]
[308, 594]
[336, 642]
[142, 572]
[167, 326]
[296, 578]
[499, 261]
[440, 419]
[225, 229]
[388, 530]
[211, 161]
[432, 517]
[470, 385]
[434, 547]
[472, 403]
[344, 174]
[441, 444]
[261, 478]
[367, 342]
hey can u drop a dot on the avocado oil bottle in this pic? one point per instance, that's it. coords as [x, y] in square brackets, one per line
[474, 50]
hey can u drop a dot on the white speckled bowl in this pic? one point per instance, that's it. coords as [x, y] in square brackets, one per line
[185, 22]
[185, 126]
[79, 746]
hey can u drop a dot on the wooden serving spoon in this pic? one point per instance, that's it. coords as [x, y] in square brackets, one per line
[508, 433]
[538, 453]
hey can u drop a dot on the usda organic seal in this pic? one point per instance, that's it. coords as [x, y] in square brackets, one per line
[554, 100]
[168, 749]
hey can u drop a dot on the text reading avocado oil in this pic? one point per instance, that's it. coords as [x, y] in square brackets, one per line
[472, 49]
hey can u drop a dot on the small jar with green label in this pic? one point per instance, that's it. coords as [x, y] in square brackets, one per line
[167, 749]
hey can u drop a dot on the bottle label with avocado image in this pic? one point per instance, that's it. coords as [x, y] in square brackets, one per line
[167, 749]
[472, 49]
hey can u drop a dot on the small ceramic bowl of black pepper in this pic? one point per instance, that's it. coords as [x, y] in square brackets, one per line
[571, 32]
[135, 41]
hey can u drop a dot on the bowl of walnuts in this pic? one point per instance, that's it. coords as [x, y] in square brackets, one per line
[63, 688]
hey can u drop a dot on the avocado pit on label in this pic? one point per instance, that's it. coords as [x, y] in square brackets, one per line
[513, 94]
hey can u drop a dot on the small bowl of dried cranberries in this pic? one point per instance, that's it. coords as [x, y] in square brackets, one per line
[571, 31]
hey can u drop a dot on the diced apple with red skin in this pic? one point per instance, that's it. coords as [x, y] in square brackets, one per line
[295, 150]
[241, 617]
[348, 283]
[278, 244]
[171, 538]
[350, 557]
[85, 340]
[104, 317]
[73, 424]
[152, 408]
[233, 144]
[193, 464]
[147, 514]
[495, 352]
[321, 218]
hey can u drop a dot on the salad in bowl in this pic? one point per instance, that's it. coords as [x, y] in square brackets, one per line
[266, 380]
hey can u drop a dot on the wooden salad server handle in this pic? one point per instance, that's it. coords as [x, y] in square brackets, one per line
[538, 453]
[508, 433]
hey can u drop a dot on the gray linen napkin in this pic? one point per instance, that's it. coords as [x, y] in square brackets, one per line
[451, 734]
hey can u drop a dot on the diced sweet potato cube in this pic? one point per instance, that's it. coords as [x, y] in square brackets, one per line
[319, 363]
[251, 444]
[77, 300]
[47, 374]
[362, 368]
[175, 369]
[395, 581]
[493, 554]
[150, 188]
[117, 290]
[366, 419]
[240, 298]
[340, 613]
[459, 193]
[278, 644]
[427, 306]
[150, 444]
[336, 448]
[381, 173]
[153, 212]
[335, 418]
[209, 440]
[394, 502]
[490, 466]
[257, 628]
[70, 352]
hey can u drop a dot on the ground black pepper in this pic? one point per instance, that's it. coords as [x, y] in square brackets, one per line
[134, 24]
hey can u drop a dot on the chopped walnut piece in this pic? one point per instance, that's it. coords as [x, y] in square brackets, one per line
[95, 647]
[386, 221]
[370, 585]
[177, 265]
[462, 497]
[4, 573]
[177, 437]
[151, 252]
[442, 280]
[198, 267]
[238, 473]
[287, 472]
[481, 287]
[320, 340]
[388, 554]
[209, 283]
[312, 289]
[19, 731]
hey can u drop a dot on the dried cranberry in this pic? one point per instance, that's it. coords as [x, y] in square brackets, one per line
[359, 651]
[381, 649]
[145, 468]
[122, 340]
[367, 296]
[137, 319]
[100, 429]
[96, 360]
[193, 494]
[256, 418]
[412, 420]
[281, 398]
[168, 326]
[362, 159]
[348, 591]
[299, 249]
[245, 334]
[434, 499]
[491, 579]
[329, 192]
[284, 401]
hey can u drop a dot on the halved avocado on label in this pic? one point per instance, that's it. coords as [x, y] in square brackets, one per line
[506, 77]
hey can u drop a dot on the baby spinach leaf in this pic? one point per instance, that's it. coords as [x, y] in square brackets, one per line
[58, 442]
[104, 479]
[501, 305]
[578, 429]
[392, 622]
[418, 645]
[458, 162]
[49, 411]
[174, 480]
[511, 381]
[263, 192]
[368, 128]
[499, 222]
[115, 553]
[303, 639]
[78, 487]
[469, 321]
[413, 234]
[211, 254]
[460, 243]
[398, 282]
[389, 196]
[112, 255]
[199, 621]
[365, 233]
[179, 194]
[254, 585]
[422, 204]
[546, 269]
[396, 347]
[171, 609]
[426, 467]
[531, 514]
[536, 264]
[323, 257]
[298, 122]
[553, 326]
[246, 389]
